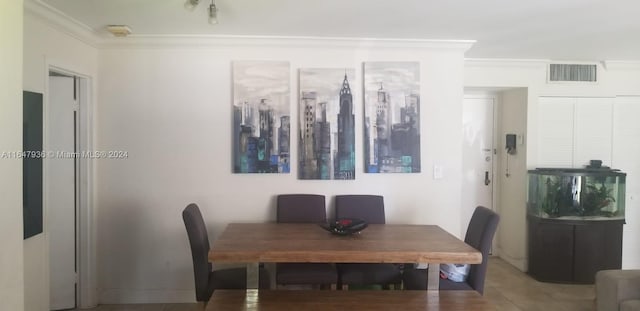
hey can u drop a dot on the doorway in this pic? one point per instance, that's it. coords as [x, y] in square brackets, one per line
[67, 134]
[478, 154]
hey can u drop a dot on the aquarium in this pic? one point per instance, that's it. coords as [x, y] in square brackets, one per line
[588, 194]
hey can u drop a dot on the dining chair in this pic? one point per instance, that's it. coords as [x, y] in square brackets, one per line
[480, 232]
[369, 208]
[206, 279]
[303, 208]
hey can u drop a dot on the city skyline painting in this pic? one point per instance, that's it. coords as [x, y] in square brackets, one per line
[392, 117]
[327, 124]
[261, 117]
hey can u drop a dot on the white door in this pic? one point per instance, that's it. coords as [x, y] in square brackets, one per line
[477, 156]
[61, 192]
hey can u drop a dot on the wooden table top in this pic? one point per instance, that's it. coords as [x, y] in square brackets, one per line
[273, 242]
[268, 300]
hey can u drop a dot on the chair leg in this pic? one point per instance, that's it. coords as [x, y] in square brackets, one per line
[392, 286]
[326, 286]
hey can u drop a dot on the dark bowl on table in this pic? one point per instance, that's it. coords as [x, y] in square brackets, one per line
[345, 226]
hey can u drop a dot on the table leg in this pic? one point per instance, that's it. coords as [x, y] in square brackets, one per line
[253, 275]
[433, 277]
[271, 268]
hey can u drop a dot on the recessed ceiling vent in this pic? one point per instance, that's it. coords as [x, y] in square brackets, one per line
[573, 73]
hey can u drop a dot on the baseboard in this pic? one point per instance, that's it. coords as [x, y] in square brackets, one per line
[520, 263]
[126, 296]
[630, 262]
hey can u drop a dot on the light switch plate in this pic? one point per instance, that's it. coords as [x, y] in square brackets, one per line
[437, 172]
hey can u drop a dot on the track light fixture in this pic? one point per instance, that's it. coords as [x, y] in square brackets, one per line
[191, 5]
[213, 13]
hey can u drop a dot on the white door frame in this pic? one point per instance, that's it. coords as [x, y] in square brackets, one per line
[494, 159]
[85, 226]
[495, 186]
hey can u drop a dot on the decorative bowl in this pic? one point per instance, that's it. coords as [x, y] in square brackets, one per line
[345, 226]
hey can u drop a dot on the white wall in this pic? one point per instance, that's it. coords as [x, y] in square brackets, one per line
[169, 107]
[11, 272]
[512, 119]
[615, 78]
[511, 74]
[46, 46]
[626, 155]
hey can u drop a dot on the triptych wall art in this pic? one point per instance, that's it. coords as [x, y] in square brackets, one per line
[326, 119]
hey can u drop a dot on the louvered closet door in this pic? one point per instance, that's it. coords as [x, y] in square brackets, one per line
[555, 131]
[572, 131]
[593, 131]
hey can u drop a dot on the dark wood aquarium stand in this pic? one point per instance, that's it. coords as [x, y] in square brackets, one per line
[572, 251]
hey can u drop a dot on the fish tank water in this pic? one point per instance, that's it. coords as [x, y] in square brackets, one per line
[580, 194]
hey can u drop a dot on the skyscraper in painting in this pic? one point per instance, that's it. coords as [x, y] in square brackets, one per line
[323, 144]
[265, 140]
[345, 167]
[327, 129]
[308, 161]
[283, 143]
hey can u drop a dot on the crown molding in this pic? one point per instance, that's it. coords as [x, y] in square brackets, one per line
[506, 62]
[62, 22]
[622, 64]
[86, 34]
[532, 63]
[209, 41]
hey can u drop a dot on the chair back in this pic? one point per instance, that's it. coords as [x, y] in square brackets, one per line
[480, 232]
[301, 208]
[199, 241]
[369, 208]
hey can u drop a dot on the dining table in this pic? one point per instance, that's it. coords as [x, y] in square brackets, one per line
[255, 243]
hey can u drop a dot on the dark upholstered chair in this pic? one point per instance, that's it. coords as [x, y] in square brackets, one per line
[480, 232]
[206, 279]
[369, 208]
[303, 208]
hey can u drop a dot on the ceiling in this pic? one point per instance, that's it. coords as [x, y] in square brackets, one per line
[589, 30]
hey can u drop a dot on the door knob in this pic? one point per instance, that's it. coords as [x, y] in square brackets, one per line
[487, 181]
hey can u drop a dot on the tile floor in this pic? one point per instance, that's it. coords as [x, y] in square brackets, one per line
[511, 290]
[507, 287]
